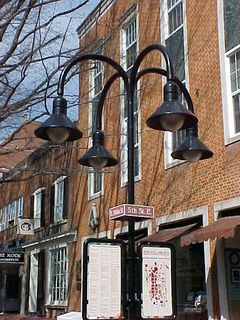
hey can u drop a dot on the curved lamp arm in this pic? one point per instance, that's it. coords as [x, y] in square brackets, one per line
[102, 99]
[90, 56]
[179, 83]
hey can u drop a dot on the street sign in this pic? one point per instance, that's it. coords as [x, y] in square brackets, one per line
[124, 211]
[103, 281]
[157, 281]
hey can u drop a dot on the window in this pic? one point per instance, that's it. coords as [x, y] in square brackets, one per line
[230, 68]
[95, 179]
[58, 198]
[58, 276]
[10, 213]
[173, 32]
[38, 208]
[129, 54]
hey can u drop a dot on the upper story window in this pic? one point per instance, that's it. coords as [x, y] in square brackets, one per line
[173, 28]
[10, 213]
[175, 15]
[95, 179]
[229, 29]
[129, 40]
[37, 208]
[59, 200]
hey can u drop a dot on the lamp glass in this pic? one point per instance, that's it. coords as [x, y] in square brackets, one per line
[192, 155]
[58, 134]
[98, 163]
[172, 122]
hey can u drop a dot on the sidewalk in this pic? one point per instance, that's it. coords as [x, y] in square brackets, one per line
[8, 316]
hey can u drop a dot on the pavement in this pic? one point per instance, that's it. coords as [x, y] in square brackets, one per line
[8, 316]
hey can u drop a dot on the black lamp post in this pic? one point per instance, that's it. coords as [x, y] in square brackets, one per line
[170, 116]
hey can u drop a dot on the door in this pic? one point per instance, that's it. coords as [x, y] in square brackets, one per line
[33, 283]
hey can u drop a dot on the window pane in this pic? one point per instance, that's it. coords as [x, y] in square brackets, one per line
[232, 23]
[58, 276]
[175, 44]
[236, 99]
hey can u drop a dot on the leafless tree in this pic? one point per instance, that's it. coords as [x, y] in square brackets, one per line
[34, 46]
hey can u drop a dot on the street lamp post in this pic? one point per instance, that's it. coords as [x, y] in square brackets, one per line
[170, 116]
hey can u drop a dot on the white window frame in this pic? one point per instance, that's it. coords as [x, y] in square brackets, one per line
[58, 217]
[92, 95]
[19, 207]
[170, 162]
[124, 158]
[51, 287]
[37, 210]
[230, 135]
[2, 219]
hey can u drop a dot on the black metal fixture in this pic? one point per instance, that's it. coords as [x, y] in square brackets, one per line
[170, 116]
[58, 127]
[192, 149]
[98, 156]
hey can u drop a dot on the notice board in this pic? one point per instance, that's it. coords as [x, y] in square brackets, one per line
[103, 279]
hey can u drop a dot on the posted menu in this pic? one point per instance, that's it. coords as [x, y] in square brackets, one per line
[104, 281]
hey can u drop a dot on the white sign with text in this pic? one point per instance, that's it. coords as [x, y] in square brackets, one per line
[104, 281]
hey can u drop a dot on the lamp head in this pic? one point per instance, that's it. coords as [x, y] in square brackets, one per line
[171, 115]
[58, 127]
[192, 149]
[98, 156]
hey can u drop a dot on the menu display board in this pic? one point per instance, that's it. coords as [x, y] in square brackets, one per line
[157, 286]
[103, 281]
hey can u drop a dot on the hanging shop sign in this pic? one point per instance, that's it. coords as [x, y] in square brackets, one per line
[124, 211]
[25, 227]
[157, 281]
[103, 279]
[11, 257]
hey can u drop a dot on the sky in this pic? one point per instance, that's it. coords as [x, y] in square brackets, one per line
[37, 72]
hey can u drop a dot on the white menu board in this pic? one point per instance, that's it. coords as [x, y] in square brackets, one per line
[156, 282]
[104, 281]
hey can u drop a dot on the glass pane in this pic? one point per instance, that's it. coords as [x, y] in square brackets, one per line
[231, 23]
[131, 54]
[236, 99]
[232, 63]
[178, 138]
[97, 182]
[175, 44]
[136, 161]
[233, 81]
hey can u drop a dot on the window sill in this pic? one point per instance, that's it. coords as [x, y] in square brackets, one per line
[57, 223]
[94, 196]
[233, 139]
[136, 179]
[173, 163]
[38, 229]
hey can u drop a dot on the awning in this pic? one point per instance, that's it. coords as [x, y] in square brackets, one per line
[223, 228]
[168, 234]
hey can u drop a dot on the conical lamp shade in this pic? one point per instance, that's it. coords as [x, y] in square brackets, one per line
[171, 115]
[192, 149]
[58, 123]
[95, 154]
[98, 156]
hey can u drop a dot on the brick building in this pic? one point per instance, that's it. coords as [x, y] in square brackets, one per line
[202, 37]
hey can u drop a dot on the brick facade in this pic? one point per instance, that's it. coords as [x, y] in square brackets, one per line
[174, 191]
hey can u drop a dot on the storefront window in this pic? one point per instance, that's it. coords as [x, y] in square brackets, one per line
[190, 281]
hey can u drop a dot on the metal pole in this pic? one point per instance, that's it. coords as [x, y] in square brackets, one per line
[131, 200]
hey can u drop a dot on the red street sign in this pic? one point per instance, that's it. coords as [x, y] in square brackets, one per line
[131, 210]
